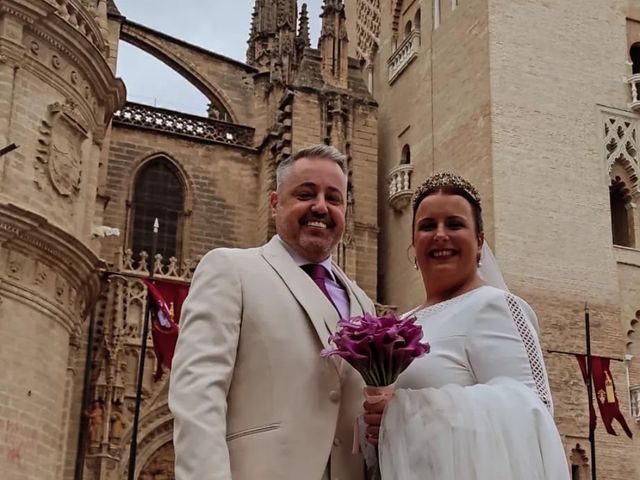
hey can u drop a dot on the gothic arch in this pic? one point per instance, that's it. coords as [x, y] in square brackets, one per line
[187, 189]
[156, 431]
[162, 47]
[579, 463]
[634, 56]
[181, 173]
[622, 211]
[625, 170]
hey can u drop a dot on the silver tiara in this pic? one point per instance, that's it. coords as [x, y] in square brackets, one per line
[443, 180]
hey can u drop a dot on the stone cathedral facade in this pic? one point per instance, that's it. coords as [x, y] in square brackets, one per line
[88, 163]
[535, 102]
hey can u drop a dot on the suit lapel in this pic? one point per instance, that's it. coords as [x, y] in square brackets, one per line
[321, 312]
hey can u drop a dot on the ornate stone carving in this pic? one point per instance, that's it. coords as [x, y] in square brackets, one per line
[77, 16]
[42, 272]
[60, 289]
[620, 139]
[59, 154]
[183, 124]
[16, 264]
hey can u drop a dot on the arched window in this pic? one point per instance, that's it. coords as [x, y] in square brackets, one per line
[579, 464]
[621, 226]
[405, 157]
[407, 28]
[158, 193]
[417, 20]
[634, 53]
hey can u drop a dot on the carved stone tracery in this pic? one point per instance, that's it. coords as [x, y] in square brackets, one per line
[367, 28]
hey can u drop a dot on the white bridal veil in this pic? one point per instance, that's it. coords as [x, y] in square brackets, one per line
[489, 269]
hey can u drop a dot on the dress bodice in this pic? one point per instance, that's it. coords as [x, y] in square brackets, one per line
[476, 337]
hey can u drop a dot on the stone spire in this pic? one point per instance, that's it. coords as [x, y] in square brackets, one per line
[262, 35]
[334, 44]
[272, 38]
[303, 39]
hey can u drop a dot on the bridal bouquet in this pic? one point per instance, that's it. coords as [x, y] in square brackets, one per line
[380, 349]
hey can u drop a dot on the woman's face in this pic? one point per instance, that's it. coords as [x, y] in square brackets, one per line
[446, 243]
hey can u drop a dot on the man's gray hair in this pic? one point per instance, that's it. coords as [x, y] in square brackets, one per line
[315, 151]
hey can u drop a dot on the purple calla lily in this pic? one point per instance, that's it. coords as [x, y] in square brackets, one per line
[379, 348]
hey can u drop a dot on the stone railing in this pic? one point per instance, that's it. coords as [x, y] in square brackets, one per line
[400, 191]
[634, 396]
[162, 269]
[76, 14]
[404, 55]
[183, 124]
[634, 81]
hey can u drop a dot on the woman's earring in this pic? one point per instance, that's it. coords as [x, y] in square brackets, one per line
[479, 261]
[415, 263]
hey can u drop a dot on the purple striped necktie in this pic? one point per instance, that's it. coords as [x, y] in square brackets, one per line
[319, 275]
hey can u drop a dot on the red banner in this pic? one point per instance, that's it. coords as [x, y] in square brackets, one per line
[166, 304]
[582, 361]
[604, 390]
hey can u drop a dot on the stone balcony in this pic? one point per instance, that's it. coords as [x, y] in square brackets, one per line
[400, 191]
[634, 396]
[634, 81]
[406, 52]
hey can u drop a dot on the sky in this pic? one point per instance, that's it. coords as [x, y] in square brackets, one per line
[221, 26]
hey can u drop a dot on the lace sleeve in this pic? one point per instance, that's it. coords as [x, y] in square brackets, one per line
[527, 329]
[502, 342]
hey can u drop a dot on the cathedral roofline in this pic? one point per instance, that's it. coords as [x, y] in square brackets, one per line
[309, 78]
[247, 68]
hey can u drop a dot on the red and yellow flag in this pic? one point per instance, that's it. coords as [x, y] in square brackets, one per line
[604, 390]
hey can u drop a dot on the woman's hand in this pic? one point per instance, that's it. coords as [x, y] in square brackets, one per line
[373, 417]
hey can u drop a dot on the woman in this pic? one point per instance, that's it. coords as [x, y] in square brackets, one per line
[478, 406]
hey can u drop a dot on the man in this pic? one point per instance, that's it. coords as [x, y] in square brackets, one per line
[251, 395]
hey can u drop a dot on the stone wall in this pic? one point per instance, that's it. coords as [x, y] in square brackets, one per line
[56, 94]
[222, 189]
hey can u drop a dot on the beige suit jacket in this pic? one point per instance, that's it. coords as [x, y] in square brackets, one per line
[251, 396]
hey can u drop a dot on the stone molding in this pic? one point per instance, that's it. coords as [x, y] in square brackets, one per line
[47, 44]
[47, 268]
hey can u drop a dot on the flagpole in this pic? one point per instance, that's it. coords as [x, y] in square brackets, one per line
[143, 352]
[592, 431]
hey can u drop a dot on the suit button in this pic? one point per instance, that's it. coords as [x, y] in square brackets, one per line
[336, 442]
[334, 396]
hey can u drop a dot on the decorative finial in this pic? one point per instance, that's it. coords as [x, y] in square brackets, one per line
[303, 27]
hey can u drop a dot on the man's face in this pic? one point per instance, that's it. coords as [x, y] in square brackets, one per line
[309, 207]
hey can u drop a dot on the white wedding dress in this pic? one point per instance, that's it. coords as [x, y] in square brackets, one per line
[478, 406]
